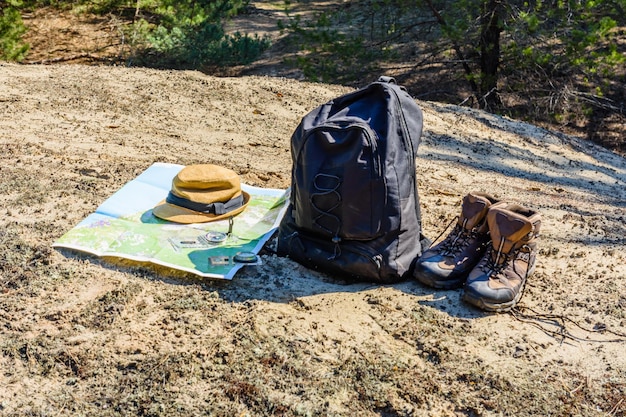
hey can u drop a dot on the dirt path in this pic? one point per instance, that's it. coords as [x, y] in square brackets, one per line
[85, 336]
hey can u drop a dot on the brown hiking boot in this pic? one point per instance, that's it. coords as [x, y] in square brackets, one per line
[497, 282]
[447, 264]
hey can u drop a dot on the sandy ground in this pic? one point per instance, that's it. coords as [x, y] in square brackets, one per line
[84, 336]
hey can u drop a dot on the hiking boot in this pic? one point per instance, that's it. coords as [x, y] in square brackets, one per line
[447, 264]
[497, 282]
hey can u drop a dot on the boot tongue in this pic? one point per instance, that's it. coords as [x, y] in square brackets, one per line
[507, 224]
[473, 210]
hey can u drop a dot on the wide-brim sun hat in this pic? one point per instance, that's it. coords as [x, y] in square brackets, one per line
[203, 193]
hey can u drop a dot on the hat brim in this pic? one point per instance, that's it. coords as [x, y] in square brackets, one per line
[177, 214]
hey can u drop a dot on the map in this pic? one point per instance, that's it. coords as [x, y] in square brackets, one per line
[124, 227]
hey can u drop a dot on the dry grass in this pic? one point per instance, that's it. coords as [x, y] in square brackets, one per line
[187, 350]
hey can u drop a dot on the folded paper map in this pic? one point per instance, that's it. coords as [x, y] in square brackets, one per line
[124, 227]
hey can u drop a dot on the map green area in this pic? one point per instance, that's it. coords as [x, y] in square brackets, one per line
[124, 227]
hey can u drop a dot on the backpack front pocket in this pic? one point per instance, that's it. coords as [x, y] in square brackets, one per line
[341, 192]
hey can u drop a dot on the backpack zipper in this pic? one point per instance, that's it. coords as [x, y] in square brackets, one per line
[350, 124]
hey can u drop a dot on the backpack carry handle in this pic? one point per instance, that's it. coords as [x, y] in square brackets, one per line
[387, 79]
[390, 80]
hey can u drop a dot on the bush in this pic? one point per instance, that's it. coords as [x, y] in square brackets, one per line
[176, 33]
[12, 48]
[190, 34]
[202, 45]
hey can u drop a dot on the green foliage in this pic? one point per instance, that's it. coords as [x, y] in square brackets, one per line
[461, 19]
[531, 21]
[102, 7]
[196, 12]
[328, 54]
[203, 44]
[182, 45]
[12, 48]
[59, 4]
[581, 35]
[551, 54]
[190, 34]
[239, 49]
[178, 33]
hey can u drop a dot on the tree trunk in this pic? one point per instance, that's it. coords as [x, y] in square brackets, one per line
[490, 55]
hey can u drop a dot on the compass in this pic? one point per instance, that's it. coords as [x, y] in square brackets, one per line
[245, 257]
[215, 237]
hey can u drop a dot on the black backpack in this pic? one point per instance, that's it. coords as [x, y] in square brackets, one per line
[354, 209]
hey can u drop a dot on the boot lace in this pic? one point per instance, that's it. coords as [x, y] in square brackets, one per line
[496, 262]
[458, 240]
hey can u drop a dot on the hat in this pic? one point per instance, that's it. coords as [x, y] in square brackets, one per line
[203, 193]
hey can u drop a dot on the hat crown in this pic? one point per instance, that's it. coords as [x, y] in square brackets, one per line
[203, 193]
[206, 183]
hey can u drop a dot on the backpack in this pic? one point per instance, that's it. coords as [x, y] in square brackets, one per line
[353, 206]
